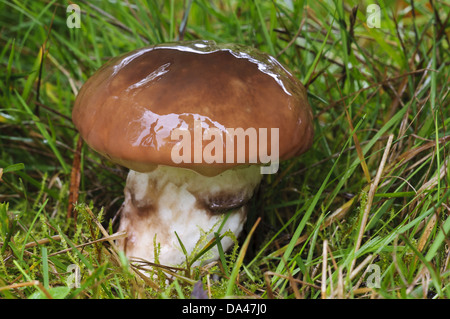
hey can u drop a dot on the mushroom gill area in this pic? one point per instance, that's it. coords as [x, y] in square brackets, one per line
[171, 200]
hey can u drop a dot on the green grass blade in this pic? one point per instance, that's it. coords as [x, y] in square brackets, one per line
[47, 137]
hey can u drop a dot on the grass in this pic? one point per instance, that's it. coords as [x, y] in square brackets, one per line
[363, 214]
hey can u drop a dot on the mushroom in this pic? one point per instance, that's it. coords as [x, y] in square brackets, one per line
[179, 116]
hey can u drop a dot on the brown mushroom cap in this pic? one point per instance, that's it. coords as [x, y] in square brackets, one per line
[129, 107]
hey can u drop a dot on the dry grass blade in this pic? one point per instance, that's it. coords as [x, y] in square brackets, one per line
[75, 177]
[361, 266]
[411, 153]
[435, 179]
[142, 263]
[293, 281]
[269, 290]
[109, 238]
[20, 285]
[372, 190]
[42, 241]
[339, 213]
[141, 266]
[28, 284]
[323, 287]
[104, 232]
[426, 233]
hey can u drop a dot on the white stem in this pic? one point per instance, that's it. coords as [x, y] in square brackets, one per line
[169, 199]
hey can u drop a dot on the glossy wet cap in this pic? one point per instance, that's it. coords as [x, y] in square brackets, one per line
[129, 108]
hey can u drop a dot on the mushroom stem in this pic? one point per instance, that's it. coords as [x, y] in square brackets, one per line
[171, 201]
